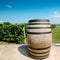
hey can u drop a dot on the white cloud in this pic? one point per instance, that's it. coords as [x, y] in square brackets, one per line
[56, 14]
[9, 6]
[1, 21]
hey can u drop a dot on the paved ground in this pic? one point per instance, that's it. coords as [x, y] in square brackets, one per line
[20, 52]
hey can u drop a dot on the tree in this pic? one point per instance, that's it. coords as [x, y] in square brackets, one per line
[6, 23]
[53, 26]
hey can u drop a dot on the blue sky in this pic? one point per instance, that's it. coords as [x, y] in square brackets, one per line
[21, 11]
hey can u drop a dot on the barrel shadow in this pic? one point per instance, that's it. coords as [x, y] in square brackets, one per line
[23, 49]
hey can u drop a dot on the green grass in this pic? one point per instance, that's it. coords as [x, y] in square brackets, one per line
[56, 35]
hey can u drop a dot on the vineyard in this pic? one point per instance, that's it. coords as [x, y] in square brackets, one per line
[13, 33]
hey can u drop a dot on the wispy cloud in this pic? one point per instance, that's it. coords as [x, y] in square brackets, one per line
[9, 6]
[56, 14]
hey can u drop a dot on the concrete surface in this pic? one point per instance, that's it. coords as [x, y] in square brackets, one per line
[20, 52]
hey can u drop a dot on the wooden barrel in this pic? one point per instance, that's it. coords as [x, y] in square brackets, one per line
[39, 38]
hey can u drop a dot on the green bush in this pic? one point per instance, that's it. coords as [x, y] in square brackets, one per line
[12, 32]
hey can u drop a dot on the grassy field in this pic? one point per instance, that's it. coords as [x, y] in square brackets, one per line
[56, 35]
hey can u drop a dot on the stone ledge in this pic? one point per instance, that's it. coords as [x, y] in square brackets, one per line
[20, 52]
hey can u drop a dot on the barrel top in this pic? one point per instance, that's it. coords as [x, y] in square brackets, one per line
[37, 20]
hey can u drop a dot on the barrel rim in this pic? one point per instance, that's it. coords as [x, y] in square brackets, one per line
[39, 32]
[39, 52]
[39, 56]
[40, 48]
[39, 27]
[37, 20]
